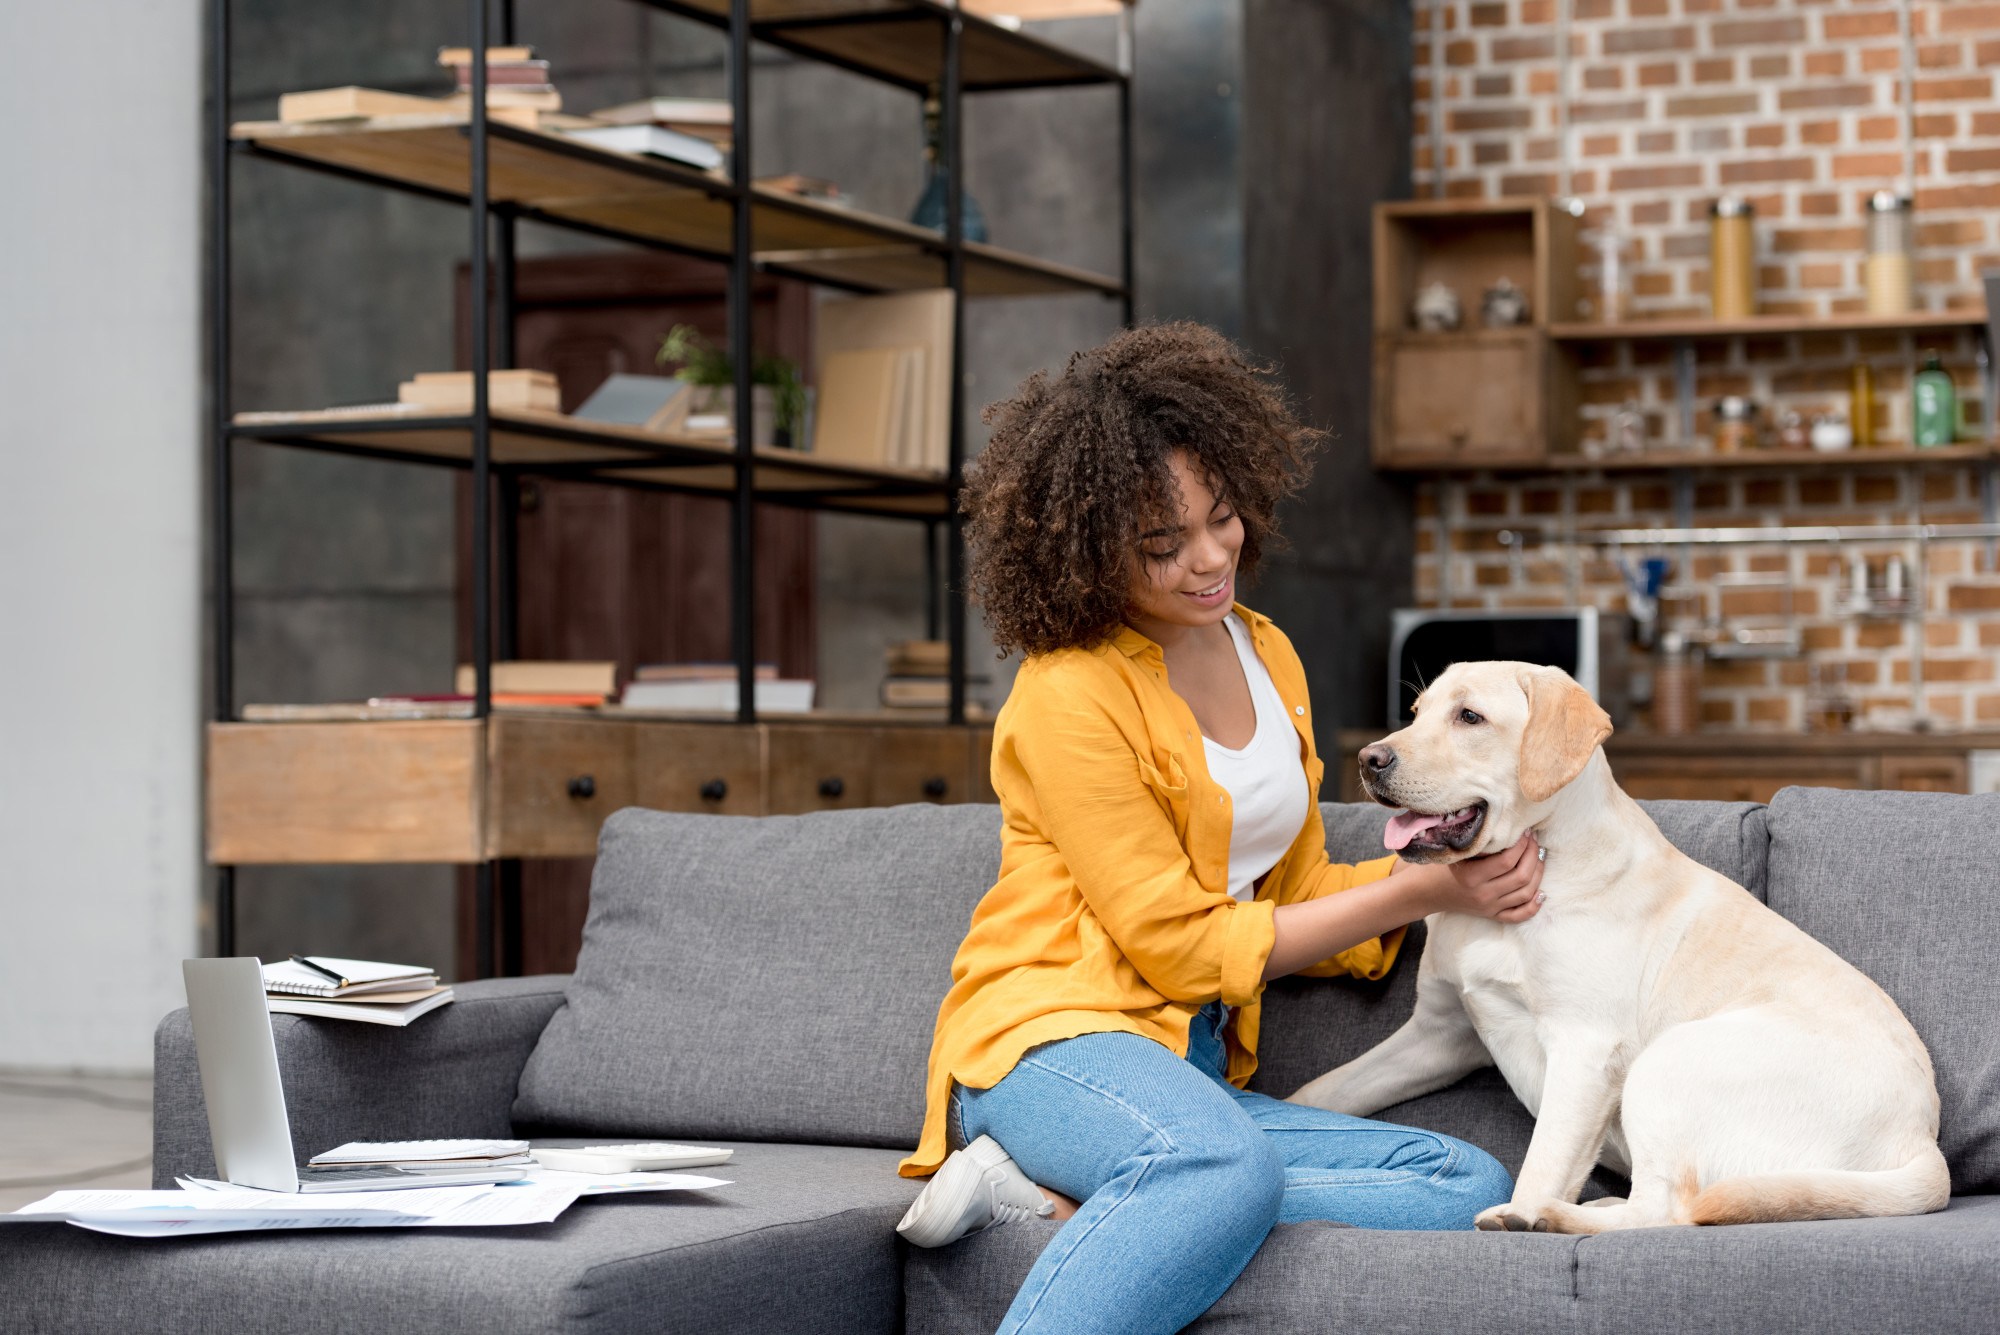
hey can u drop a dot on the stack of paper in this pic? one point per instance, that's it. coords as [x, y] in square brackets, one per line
[364, 990]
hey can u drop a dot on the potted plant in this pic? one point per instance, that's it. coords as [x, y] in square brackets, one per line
[780, 395]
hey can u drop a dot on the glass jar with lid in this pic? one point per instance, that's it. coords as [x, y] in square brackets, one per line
[1891, 239]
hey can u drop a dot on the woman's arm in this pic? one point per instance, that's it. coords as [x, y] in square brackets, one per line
[1504, 887]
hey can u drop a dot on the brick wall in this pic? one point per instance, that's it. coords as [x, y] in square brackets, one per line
[1794, 106]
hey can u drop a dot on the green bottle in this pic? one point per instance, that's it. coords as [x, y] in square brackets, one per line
[1933, 405]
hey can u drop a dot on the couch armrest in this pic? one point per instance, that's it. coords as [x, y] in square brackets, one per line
[451, 1073]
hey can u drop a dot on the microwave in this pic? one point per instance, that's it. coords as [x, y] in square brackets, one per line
[1588, 644]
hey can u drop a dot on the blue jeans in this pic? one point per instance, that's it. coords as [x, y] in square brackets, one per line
[1181, 1175]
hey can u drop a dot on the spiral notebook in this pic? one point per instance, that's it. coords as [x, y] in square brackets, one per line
[288, 978]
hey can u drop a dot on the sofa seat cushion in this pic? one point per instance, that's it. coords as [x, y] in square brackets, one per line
[804, 1239]
[1928, 1275]
[1903, 886]
[762, 979]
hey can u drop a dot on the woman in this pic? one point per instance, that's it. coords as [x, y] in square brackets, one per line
[1162, 859]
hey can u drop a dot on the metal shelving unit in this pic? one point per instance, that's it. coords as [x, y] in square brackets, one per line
[502, 173]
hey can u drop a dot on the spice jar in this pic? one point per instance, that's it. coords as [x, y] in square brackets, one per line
[1735, 425]
[1890, 241]
[1732, 260]
[1861, 405]
[1676, 686]
[1793, 434]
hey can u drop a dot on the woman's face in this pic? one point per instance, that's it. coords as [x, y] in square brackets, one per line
[1187, 561]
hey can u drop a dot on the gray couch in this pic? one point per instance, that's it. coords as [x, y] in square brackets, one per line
[770, 984]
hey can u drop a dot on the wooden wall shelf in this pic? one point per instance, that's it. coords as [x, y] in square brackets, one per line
[1803, 461]
[1768, 325]
[1753, 766]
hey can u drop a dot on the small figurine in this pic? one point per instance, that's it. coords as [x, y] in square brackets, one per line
[1504, 305]
[1436, 309]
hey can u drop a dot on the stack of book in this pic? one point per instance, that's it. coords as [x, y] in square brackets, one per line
[708, 687]
[451, 391]
[919, 675]
[341, 989]
[884, 380]
[514, 78]
[530, 682]
[707, 118]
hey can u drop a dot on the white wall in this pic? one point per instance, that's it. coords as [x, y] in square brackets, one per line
[100, 535]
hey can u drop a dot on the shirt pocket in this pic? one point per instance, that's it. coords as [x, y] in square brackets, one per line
[1170, 786]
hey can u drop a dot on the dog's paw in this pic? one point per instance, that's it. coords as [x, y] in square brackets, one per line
[1512, 1218]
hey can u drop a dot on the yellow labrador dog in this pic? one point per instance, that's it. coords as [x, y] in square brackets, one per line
[1653, 1015]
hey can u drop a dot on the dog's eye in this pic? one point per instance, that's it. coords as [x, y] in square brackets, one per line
[1467, 716]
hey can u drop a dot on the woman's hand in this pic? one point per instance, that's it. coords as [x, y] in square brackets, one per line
[1504, 886]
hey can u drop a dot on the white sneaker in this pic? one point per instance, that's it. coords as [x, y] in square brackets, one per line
[977, 1187]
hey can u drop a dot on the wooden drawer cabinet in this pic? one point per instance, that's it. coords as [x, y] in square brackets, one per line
[1461, 398]
[552, 782]
[920, 765]
[345, 792]
[698, 767]
[811, 768]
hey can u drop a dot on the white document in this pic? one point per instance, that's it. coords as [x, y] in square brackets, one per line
[213, 1207]
[616, 1184]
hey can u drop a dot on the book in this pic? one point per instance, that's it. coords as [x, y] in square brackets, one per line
[921, 692]
[699, 672]
[651, 141]
[918, 658]
[368, 1010]
[533, 677]
[816, 188]
[650, 402]
[777, 696]
[364, 976]
[495, 55]
[351, 102]
[507, 73]
[504, 103]
[451, 391]
[682, 113]
[858, 408]
[899, 320]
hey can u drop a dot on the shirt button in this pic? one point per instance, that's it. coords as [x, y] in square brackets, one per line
[1299, 710]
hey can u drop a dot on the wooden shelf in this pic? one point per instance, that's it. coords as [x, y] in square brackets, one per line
[553, 444]
[1642, 330]
[1659, 460]
[555, 179]
[902, 42]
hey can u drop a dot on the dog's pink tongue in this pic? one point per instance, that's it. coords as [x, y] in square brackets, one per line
[1405, 826]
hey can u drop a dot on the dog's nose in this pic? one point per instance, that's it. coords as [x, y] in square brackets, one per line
[1378, 758]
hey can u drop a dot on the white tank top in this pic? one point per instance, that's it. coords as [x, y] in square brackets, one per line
[1266, 779]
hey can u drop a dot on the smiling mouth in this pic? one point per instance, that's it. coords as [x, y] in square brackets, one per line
[1426, 832]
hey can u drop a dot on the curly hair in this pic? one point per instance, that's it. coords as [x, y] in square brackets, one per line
[1078, 465]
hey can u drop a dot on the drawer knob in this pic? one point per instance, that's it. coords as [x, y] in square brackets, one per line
[934, 787]
[714, 790]
[833, 787]
[582, 786]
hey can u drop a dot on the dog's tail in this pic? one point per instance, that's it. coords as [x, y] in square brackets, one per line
[1918, 1187]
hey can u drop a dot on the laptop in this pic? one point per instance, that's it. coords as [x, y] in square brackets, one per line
[246, 1102]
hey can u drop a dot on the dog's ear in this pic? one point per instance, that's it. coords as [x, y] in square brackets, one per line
[1564, 727]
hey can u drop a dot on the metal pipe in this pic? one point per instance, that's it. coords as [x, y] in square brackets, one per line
[953, 110]
[1906, 94]
[1438, 8]
[482, 920]
[221, 541]
[504, 354]
[933, 581]
[1125, 252]
[482, 425]
[1562, 101]
[1712, 537]
[743, 516]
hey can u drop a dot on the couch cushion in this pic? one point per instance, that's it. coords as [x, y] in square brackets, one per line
[1928, 1275]
[1904, 886]
[1728, 837]
[804, 1239]
[763, 979]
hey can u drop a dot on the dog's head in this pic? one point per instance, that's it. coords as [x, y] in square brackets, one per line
[1491, 745]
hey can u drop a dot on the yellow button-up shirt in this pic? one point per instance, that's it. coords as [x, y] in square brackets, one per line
[1112, 911]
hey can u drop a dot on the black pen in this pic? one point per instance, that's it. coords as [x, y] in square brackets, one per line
[320, 968]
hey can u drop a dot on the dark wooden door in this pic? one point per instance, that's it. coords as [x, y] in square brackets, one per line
[620, 573]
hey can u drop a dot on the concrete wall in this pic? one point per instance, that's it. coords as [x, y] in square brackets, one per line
[100, 551]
